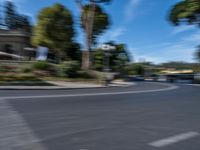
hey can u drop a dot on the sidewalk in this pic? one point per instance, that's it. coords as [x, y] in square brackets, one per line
[67, 85]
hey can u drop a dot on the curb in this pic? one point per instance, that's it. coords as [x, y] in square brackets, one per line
[62, 87]
[193, 85]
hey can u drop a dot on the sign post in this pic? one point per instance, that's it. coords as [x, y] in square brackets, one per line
[107, 48]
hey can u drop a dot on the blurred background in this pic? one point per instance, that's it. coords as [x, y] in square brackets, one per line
[99, 41]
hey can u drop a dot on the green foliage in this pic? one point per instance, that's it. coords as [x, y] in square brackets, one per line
[102, 1]
[178, 65]
[186, 11]
[70, 68]
[136, 69]
[74, 52]
[101, 21]
[13, 20]
[119, 58]
[98, 56]
[22, 80]
[54, 29]
[85, 75]
[6, 68]
[41, 65]
[198, 54]
[27, 70]
[139, 70]
[17, 78]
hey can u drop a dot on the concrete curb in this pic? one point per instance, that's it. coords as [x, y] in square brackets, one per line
[193, 85]
[124, 84]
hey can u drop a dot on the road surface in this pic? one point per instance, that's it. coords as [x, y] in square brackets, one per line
[146, 116]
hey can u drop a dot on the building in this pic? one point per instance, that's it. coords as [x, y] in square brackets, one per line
[13, 43]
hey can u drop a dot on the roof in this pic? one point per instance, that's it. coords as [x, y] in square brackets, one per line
[9, 55]
[14, 33]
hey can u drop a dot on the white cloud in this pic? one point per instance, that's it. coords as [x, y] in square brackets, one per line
[113, 34]
[181, 29]
[182, 50]
[116, 33]
[130, 9]
[193, 38]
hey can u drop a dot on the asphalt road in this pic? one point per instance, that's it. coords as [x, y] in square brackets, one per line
[146, 116]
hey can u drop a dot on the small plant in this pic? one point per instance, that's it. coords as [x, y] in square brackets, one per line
[27, 70]
[41, 65]
[70, 68]
[86, 75]
[7, 68]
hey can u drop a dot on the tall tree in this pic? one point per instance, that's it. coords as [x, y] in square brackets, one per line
[186, 11]
[54, 29]
[74, 52]
[88, 19]
[14, 20]
[10, 15]
[100, 24]
[198, 54]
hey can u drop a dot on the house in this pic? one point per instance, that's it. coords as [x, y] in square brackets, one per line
[13, 44]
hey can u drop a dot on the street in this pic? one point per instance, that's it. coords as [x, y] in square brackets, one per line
[145, 116]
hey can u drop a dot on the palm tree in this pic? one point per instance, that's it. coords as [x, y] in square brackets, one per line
[88, 21]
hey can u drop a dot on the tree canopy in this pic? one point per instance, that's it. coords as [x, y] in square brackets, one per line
[198, 54]
[100, 24]
[94, 21]
[54, 29]
[101, 1]
[186, 11]
[94, 1]
[119, 57]
[14, 20]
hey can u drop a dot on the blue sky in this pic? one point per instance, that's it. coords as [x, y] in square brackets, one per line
[141, 24]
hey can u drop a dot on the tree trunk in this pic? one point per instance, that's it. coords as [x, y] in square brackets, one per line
[88, 22]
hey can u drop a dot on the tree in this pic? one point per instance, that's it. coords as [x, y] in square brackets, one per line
[100, 24]
[88, 19]
[10, 15]
[13, 20]
[74, 52]
[198, 54]
[22, 22]
[119, 58]
[186, 11]
[54, 29]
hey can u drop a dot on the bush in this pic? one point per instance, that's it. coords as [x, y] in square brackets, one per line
[8, 68]
[27, 70]
[70, 68]
[86, 75]
[41, 65]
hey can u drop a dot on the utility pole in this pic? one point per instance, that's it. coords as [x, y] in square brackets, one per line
[107, 53]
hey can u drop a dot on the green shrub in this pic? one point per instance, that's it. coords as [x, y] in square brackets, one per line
[70, 69]
[27, 70]
[86, 75]
[8, 68]
[41, 65]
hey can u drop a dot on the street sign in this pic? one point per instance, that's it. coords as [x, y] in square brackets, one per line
[107, 47]
[42, 53]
